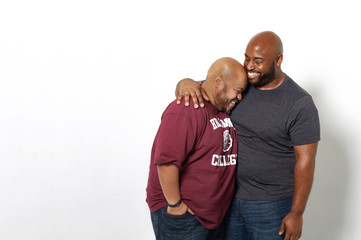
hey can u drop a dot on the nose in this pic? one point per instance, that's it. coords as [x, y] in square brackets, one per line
[249, 65]
[239, 97]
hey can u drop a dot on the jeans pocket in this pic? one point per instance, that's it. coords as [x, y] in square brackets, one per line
[180, 225]
[164, 211]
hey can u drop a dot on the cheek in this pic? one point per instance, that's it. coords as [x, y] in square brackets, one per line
[260, 68]
[231, 96]
[265, 69]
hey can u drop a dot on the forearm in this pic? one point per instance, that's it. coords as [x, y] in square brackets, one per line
[303, 177]
[169, 181]
[189, 88]
[188, 82]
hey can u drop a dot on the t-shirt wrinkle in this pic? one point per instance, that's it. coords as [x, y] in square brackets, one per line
[289, 114]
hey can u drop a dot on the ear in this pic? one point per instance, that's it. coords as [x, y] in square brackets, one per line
[279, 60]
[219, 82]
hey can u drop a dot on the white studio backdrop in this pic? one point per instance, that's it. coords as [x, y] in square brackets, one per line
[83, 85]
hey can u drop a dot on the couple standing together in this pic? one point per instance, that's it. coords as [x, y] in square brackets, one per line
[246, 175]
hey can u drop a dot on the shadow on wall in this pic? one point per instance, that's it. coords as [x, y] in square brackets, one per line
[324, 216]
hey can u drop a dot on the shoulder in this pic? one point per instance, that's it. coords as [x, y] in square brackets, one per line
[299, 98]
[293, 88]
[186, 111]
[294, 93]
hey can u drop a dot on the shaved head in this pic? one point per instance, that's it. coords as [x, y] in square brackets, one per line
[226, 80]
[224, 67]
[267, 41]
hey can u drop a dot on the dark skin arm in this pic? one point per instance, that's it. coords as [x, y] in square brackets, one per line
[169, 180]
[303, 179]
[194, 91]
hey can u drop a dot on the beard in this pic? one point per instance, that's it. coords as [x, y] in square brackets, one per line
[222, 104]
[222, 107]
[267, 77]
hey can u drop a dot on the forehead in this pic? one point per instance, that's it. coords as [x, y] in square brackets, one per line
[239, 81]
[260, 49]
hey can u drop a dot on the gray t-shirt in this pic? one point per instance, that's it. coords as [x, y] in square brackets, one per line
[269, 123]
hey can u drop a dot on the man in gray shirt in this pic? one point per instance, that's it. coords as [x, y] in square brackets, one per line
[278, 131]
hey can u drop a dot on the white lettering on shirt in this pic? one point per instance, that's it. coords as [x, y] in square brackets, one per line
[224, 160]
[216, 123]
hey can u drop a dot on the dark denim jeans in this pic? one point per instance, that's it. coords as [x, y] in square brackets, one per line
[182, 227]
[256, 220]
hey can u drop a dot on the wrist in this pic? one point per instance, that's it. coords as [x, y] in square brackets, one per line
[297, 211]
[174, 205]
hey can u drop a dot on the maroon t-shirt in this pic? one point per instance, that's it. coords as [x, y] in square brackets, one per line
[203, 144]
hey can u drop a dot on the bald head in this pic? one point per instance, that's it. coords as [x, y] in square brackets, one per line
[225, 82]
[225, 67]
[267, 41]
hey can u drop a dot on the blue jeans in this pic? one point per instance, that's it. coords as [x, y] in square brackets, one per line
[256, 220]
[182, 227]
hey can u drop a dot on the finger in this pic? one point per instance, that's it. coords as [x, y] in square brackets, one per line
[287, 237]
[294, 237]
[190, 211]
[282, 229]
[195, 99]
[179, 99]
[200, 99]
[186, 98]
[297, 236]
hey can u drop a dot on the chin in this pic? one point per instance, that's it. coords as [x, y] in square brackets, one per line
[254, 81]
[227, 111]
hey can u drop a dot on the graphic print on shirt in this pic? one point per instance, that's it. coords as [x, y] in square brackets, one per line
[227, 141]
[229, 159]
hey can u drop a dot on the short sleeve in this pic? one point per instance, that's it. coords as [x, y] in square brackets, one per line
[303, 122]
[175, 139]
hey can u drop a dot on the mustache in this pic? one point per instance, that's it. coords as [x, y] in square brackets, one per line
[235, 100]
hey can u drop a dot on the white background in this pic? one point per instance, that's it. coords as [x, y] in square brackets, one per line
[83, 85]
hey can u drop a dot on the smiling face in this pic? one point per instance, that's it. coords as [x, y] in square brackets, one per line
[226, 80]
[230, 92]
[260, 70]
[263, 58]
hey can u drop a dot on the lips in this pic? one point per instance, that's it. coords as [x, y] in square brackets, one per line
[232, 104]
[252, 75]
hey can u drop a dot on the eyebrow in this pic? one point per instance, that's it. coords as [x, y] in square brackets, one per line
[255, 57]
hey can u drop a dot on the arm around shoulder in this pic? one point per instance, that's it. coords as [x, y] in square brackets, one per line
[189, 88]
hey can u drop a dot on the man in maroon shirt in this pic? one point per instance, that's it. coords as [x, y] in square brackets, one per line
[193, 161]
